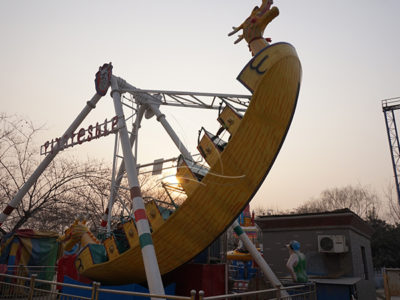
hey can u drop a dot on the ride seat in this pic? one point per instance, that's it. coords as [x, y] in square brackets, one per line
[153, 214]
[230, 119]
[111, 247]
[90, 255]
[210, 147]
[189, 174]
[131, 233]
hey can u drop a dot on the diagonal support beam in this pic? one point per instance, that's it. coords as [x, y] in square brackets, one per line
[91, 104]
[265, 268]
[151, 103]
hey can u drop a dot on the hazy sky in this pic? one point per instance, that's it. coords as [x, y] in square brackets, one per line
[349, 50]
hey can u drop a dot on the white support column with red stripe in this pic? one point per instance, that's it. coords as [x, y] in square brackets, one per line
[105, 220]
[146, 242]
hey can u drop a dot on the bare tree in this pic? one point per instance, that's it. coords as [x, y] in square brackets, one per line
[266, 211]
[393, 212]
[57, 195]
[68, 189]
[358, 199]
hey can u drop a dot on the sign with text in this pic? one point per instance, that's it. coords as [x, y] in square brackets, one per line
[83, 135]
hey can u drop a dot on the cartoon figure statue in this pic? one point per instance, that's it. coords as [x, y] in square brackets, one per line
[253, 27]
[296, 263]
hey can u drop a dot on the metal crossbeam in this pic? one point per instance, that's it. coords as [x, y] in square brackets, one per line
[192, 99]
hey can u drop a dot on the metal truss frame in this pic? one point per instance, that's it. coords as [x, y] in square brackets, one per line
[389, 106]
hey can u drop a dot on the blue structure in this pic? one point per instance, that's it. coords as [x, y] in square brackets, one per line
[169, 290]
[241, 272]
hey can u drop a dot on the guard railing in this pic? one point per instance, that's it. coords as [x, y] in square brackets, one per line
[19, 287]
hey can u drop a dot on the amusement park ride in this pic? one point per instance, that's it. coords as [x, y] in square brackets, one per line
[216, 191]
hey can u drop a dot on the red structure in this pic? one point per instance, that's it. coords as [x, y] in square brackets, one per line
[207, 277]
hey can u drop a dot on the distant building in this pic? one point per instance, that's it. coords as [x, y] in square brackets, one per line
[337, 247]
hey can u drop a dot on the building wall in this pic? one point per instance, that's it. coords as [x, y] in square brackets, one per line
[362, 267]
[333, 265]
[318, 264]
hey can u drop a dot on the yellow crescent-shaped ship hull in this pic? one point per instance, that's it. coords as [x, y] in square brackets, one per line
[273, 76]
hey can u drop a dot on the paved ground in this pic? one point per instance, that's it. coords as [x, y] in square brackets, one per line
[380, 294]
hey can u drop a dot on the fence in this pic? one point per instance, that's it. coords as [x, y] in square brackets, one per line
[42, 272]
[296, 292]
[19, 287]
[391, 279]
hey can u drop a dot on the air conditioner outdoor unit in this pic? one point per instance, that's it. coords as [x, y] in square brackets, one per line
[332, 244]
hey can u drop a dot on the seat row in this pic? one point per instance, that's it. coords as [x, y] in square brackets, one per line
[211, 147]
